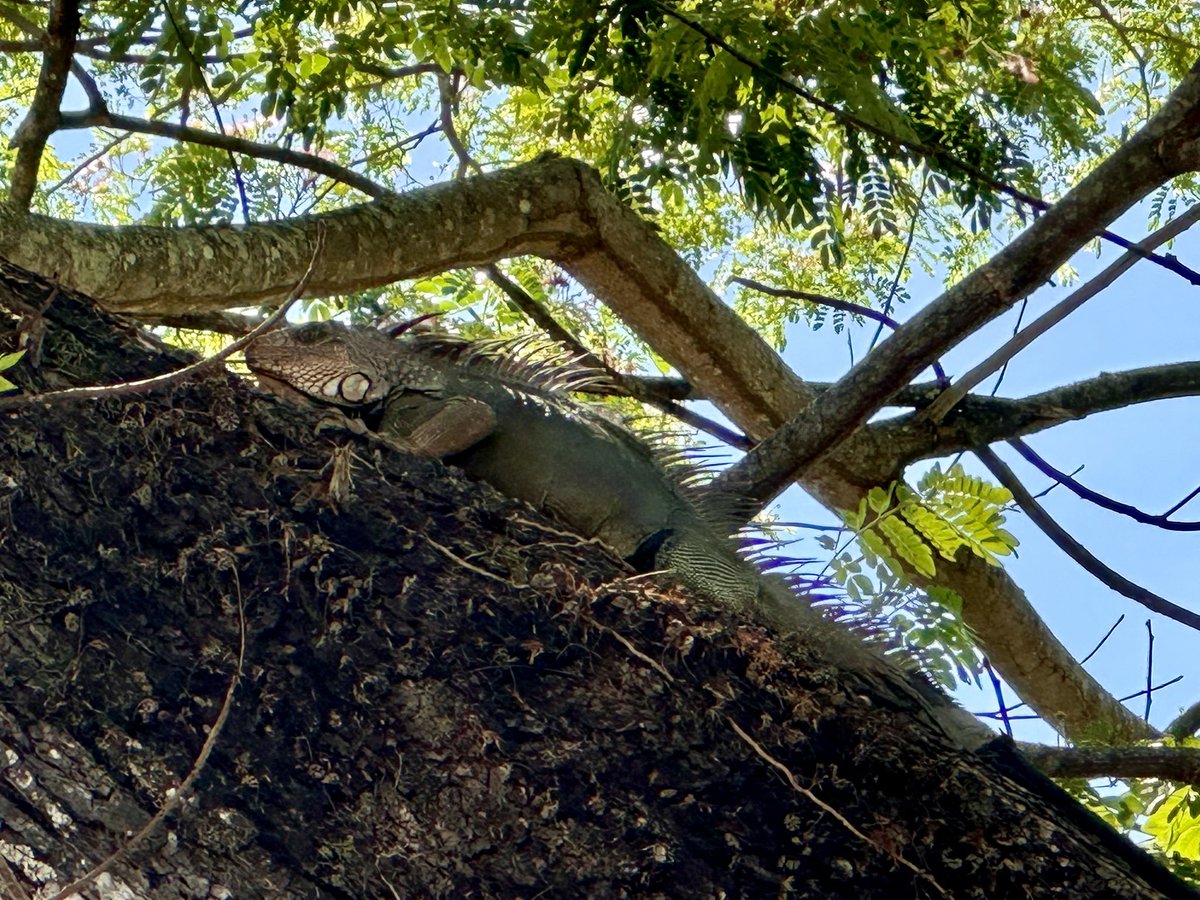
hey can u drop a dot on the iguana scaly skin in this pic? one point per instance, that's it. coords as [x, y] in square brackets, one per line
[509, 423]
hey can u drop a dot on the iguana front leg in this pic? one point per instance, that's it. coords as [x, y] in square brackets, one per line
[436, 426]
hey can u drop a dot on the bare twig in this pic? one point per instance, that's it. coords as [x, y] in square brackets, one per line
[1094, 496]
[42, 118]
[447, 94]
[1149, 669]
[216, 109]
[1001, 707]
[1123, 35]
[938, 409]
[1150, 690]
[908, 242]
[179, 375]
[173, 802]
[1103, 640]
[99, 154]
[1077, 551]
[822, 805]
[1184, 502]
[833, 303]
[309, 161]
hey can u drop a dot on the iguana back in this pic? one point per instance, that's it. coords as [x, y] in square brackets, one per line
[503, 422]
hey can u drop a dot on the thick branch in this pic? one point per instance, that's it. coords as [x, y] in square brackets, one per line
[1180, 764]
[1165, 147]
[980, 420]
[42, 118]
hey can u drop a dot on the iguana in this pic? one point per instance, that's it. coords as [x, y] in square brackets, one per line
[508, 421]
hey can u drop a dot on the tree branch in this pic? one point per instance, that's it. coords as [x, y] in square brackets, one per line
[1180, 764]
[978, 420]
[43, 115]
[833, 303]
[938, 409]
[1076, 551]
[1095, 497]
[93, 118]
[1145, 161]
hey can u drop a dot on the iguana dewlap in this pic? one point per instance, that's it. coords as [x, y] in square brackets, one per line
[503, 422]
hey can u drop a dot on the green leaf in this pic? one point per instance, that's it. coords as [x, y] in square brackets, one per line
[8, 360]
[1175, 825]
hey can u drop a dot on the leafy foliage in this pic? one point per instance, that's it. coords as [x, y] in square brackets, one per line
[7, 361]
[949, 511]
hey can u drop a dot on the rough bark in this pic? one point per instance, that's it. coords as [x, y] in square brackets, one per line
[557, 208]
[442, 693]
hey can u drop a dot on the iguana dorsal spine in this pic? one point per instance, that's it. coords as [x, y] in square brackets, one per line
[501, 414]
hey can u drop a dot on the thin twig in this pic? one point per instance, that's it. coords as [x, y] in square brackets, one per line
[1103, 640]
[908, 242]
[822, 805]
[1002, 707]
[1077, 551]
[179, 375]
[216, 109]
[1123, 36]
[181, 793]
[1184, 502]
[189, 134]
[102, 152]
[937, 410]
[455, 558]
[1095, 497]
[446, 96]
[1149, 669]
[1157, 687]
[845, 305]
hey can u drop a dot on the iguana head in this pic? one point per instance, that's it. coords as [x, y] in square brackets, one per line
[328, 362]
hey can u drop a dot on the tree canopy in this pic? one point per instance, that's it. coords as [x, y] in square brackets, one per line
[683, 186]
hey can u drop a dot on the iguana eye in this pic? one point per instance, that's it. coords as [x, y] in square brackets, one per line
[312, 332]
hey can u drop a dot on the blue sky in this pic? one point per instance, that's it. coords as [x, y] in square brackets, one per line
[1146, 455]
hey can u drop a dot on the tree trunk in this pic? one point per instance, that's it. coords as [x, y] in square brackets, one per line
[442, 694]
